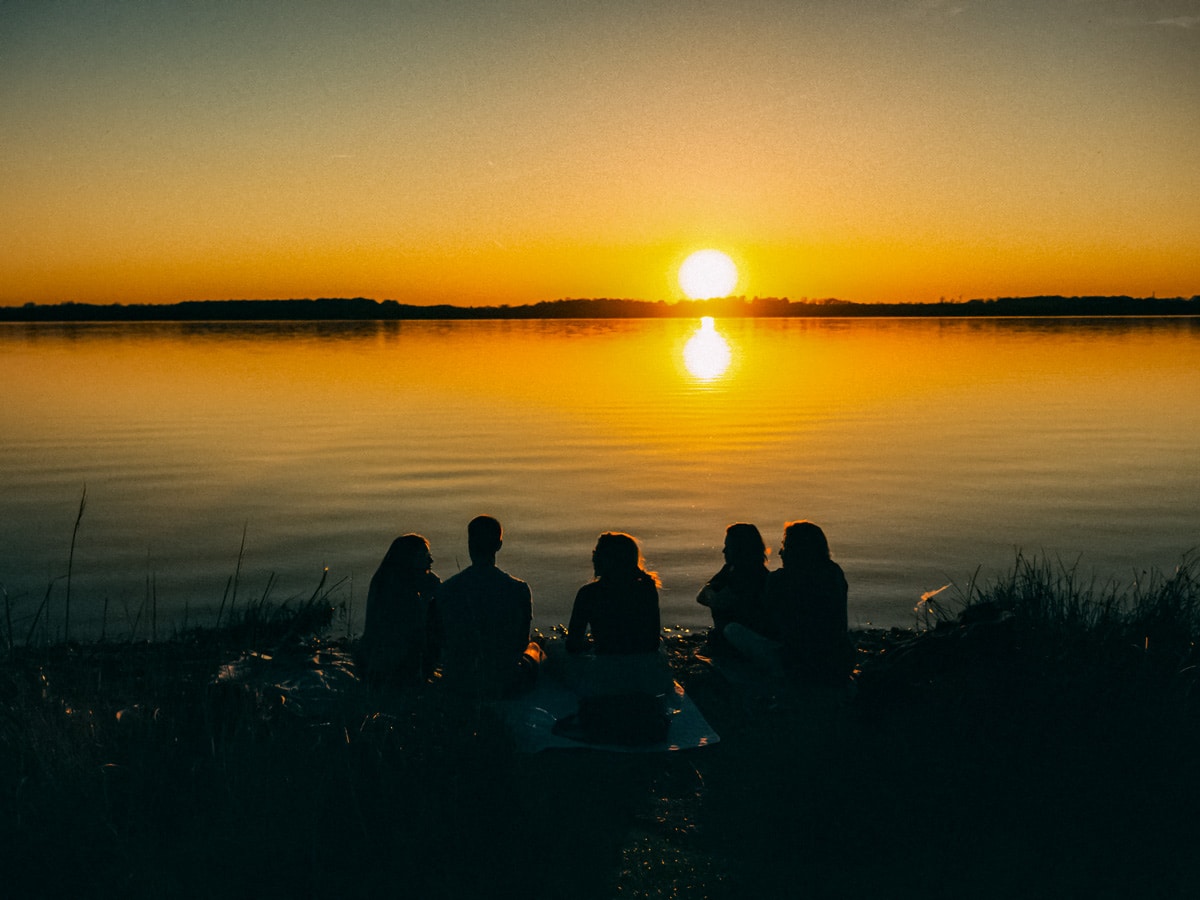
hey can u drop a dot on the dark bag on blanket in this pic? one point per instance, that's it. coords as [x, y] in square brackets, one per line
[628, 719]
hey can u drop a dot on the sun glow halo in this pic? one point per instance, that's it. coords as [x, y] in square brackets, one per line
[707, 274]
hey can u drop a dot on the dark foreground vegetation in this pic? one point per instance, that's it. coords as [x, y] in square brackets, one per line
[1033, 737]
[365, 309]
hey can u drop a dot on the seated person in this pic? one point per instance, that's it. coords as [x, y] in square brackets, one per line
[623, 680]
[619, 608]
[399, 642]
[485, 616]
[737, 592]
[807, 603]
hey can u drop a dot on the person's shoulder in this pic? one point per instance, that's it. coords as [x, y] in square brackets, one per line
[837, 574]
[588, 588]
[779, 584]
[516, 588]
[458, 581]
[496, 578]
[508, 577]
[831, 570]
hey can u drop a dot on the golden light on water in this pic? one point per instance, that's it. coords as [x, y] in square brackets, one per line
[707, 354]
[707, 274]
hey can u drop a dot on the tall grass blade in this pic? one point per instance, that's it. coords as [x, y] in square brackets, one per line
[237, 570]
[230, 594]
[224, 600]
[38, 615]
[8, 635]
[137, 621]
[71, 564]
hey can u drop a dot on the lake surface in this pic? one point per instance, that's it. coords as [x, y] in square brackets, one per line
[926, 448]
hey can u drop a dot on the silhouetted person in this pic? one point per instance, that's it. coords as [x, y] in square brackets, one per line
[620, 607]
[485, 616]
[737, 593]
[399, 642]
[807, 602]
[623, 683]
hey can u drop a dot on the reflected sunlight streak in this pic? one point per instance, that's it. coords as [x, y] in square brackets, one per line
[707, 354]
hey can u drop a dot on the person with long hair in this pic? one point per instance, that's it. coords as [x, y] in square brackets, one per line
[617, 612]
[399, 645]
[613, 644]
[737, 592]
[807, 602]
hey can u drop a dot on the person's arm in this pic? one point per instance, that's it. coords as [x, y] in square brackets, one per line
[434, 638]
[528, 612]
[523, 620]
[657, 619]
[779, 608]
[708, 593]
[843, 601]
[577, 635]
[370, 635]
[645, 624]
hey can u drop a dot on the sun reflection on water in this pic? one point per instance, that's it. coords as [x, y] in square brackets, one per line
[707, 354]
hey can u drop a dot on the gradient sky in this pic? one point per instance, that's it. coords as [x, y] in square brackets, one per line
[496, 152]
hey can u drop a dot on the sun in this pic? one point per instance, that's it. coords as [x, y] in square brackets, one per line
[706, 274]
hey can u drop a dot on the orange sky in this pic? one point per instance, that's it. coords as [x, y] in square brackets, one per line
[479, 153]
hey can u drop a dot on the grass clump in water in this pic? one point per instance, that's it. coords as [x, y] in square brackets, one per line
[1069, 632]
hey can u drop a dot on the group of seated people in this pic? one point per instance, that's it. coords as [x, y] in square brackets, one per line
[792, 620]
[474, 628]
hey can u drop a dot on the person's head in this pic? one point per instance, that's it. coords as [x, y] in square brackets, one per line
[617, 556]
[484, 538]
[804, 544]
[744, 546]
[408, 555]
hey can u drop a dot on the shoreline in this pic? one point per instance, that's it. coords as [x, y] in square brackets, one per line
[364, 309]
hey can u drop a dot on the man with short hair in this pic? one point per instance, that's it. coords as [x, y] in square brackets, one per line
[485, 617]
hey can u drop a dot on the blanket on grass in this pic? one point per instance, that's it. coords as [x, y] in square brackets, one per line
[532, 717]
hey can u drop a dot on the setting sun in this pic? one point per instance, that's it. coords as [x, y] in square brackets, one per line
[706, 274]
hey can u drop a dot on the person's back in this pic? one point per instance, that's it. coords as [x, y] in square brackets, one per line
[623, 680]
[399, 642]
[623, 617]
[617, 613]
[807, 600]
[485, 616]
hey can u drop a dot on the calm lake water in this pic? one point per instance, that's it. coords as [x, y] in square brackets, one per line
[926, 448]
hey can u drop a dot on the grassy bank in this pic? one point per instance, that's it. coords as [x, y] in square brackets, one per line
[1037, 735]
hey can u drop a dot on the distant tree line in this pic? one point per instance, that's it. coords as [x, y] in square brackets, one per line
[364, 309]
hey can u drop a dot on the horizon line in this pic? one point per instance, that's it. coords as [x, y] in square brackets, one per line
[366, 309]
